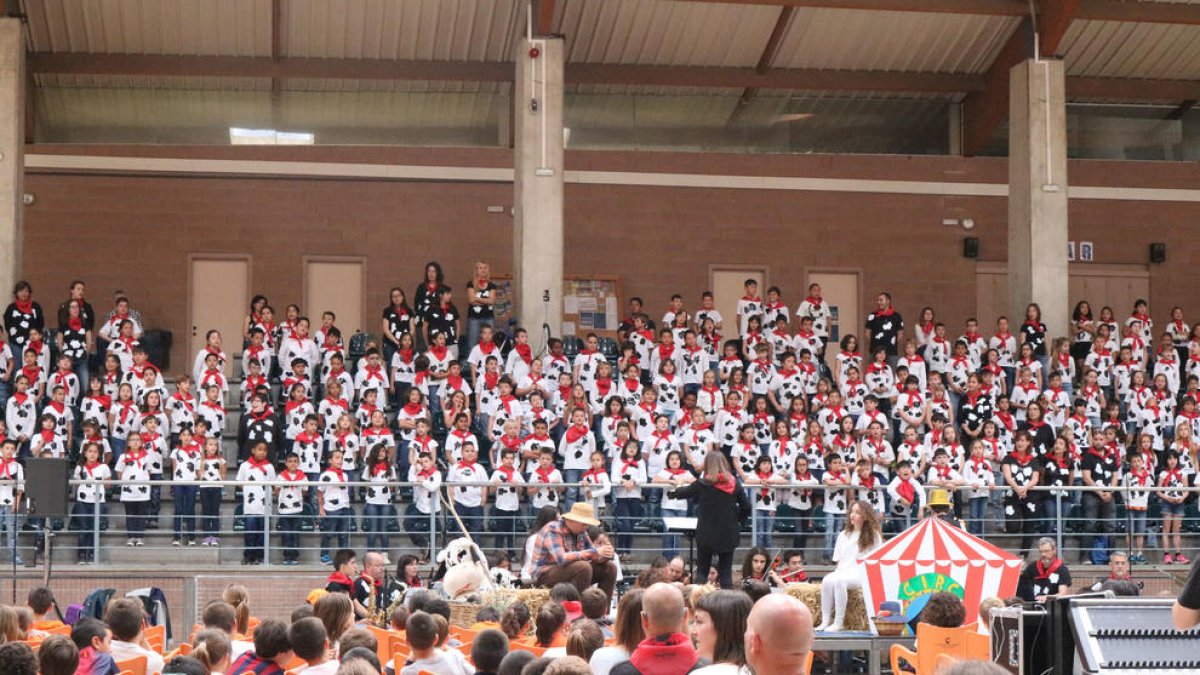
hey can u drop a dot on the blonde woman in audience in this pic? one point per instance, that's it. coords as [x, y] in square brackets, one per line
[10, 625]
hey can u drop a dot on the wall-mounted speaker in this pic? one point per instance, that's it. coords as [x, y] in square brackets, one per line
[1158, 253]
[971, 247]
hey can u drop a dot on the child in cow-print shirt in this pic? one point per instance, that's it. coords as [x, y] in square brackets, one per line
[133, 469]
[290, 498]
[185, 461]
[254, 502]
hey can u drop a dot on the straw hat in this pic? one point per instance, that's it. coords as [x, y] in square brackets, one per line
[582, 512]
[939, 498]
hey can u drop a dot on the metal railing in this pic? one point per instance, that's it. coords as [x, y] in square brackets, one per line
[1060, 514]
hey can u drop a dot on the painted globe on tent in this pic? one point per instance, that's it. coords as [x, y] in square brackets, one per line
[934, 556]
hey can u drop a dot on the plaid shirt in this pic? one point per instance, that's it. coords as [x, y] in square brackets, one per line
[555, 545]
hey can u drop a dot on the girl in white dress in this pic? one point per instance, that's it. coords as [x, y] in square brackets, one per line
[859, 539]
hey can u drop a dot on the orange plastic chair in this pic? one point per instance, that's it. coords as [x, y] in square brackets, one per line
[398, 643]
[156, 636]
[296, 663]
[463, 634]
[135, 666]
[532, 649]
[125, 672]
[465, 649]
[383, 642]
[251, 625]
[931, 643]
[60, 629]
[808, 663]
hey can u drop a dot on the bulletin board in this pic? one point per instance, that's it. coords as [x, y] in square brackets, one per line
[591, 304]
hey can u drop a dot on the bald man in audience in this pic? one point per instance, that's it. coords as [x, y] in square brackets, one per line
[666, 650]
[779, 636]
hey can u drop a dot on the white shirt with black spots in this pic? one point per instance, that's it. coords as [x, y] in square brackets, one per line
[425, 492]
[379, 492]
[623, 471]
[508, 498]
[577, 455]
[186, 464]
[254, 498]
[134, 471]
[335, 494]
[466, 495]
[91, 493]
[13, 476]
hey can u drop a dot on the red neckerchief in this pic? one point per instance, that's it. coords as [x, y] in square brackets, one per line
[136, 458]
[868, 482]
[261, 465]
[291, 404]
[48, 435]
[513, 442]
[337, 471]
[943, 472]
[752, 298]
[910, 396]
[293, 476]
[340, 579]
[906, 491]
[525, 352]
[603, 386]
[463, 464]
[576, 432]
[507, 472]
[763, 478]
[839, 477]
[544, 474]
[631, 384]
[972, 338]
[1141, 477]
[1036, 325]
[439, 352]
[375, 372]
[960, 361]
[980, 465]
[1006, 419]
[1023, 460]
[412, 409]
[426, 473]
[127, 409]
[1043, 572]
[105, 401]
[593, 475]
[260, 417]
[888, 311]
[1173, 477]
[24, 307]
[406, 355]
[1003, 337]
[305, 437]
[724, 483]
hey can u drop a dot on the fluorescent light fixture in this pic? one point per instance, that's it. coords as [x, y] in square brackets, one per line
[240, 136]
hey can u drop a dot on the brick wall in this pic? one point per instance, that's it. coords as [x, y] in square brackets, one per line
[136, 232]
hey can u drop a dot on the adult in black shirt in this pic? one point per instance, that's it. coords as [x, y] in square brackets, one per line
[1186, 612]
[86, 313]
[885, 326]
[427, 296]
[1046, 577]
[76, 340]
[722, 505]
[481, 296]
[974, 409]
[21, 316]
[397, 320]
[444, 318]
[1022, 471]
[1099, 468]
[1040, 433]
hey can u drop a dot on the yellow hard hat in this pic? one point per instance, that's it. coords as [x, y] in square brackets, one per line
[939, 498]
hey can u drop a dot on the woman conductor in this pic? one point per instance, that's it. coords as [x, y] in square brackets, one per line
[722, 505]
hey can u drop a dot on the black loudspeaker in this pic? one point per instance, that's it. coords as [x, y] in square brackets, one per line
[46, 485]
[971, 247]
[1158, 253]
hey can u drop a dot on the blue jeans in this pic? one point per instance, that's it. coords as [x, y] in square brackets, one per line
[336, 524]
[135, 518]
[253, 541]
[505, 525]
[8, 524]
[84, 515]
[572, 493]
[627, 512]
[670, 540]
[419, 526]
[764, 522]
[833, 525]
[117, 445]
[80, 368]
[210, 511]
[472, 518]
[977, 507]
[185, 510]
[289, 529]
[376, 520]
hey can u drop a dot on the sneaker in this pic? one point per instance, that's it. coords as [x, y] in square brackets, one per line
[216, 541]
[1168, 559]
[1181, 559]
[17, 560]
[81, 561]
[131, 542]
[176, 543]
[191, 542]
[139, 542]
[325, 559]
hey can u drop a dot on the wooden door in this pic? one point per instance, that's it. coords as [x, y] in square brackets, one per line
[219, 298]
[338, 286]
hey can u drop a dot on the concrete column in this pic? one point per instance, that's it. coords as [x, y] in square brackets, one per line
[538, 202]
[1037, 197]
[12, 146]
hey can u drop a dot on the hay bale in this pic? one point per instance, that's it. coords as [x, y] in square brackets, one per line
[856, 608]
[533, 598]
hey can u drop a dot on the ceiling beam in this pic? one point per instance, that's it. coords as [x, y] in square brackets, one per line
[984, 111]
[1117, 89]
[543, 17]
[982, 7]
[1139, 12]
[460, 71]
[770, 50]
[276, 41]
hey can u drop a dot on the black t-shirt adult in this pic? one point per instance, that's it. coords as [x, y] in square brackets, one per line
[19, 322]
[884, 328]
[425, 298]
[87, 315]
[1103, 467]
[398, 320]
[1035, 336]
[1042, 436]
[1189, 597]
[443, 320]
[488, 290]
[972, 414]
[1040, 579]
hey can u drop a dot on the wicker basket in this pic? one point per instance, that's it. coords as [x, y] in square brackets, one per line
[890, 628]
[462, 614]
[856, 609]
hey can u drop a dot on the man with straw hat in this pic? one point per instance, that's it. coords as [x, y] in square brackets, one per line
[563, 551]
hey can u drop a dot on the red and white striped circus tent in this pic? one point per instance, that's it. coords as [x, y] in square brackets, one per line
[934, 546]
